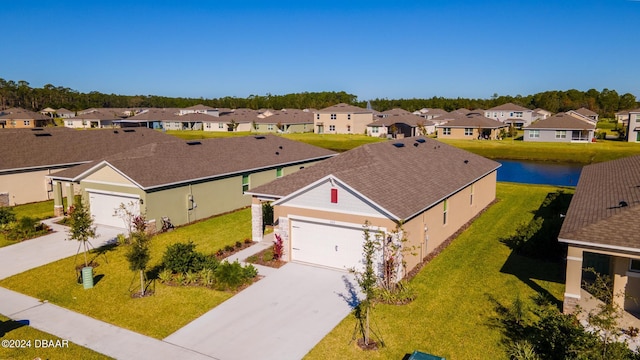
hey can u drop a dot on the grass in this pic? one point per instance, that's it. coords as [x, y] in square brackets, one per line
[159, 315]
[39, 210]
[13, 330]
[456, 293]
[584, 153]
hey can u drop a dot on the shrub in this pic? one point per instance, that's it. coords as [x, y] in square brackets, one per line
[228, 248]
[230, 276]
[278, 248]
[181, 258]
[238, 244]
[165, 276]
[7, 216]
[25, 228]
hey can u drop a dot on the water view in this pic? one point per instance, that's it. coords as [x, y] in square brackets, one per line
[532, 172]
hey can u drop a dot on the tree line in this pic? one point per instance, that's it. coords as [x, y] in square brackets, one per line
[21, 94]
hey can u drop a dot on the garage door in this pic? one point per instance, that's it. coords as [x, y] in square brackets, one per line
[327, 244]
[103, 206]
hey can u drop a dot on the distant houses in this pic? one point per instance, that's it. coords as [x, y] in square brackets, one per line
[562, 127]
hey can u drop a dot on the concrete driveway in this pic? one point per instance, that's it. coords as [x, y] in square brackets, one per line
[282, 316]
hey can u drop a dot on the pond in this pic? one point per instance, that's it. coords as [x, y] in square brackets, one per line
[538, 172]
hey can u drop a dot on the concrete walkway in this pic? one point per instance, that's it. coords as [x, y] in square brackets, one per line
[282, 316]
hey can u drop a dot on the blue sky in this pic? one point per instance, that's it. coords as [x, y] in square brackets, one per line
[372, 49]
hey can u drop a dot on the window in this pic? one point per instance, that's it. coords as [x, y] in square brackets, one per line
[495, 114]
[446, 131]
[444, 212]
[317, 116]
[518, 114]
[561, 134]
[28, 122]
[468, 131]
[332, 128]
[69, 123]
[534, 134]
[471, 196]
[348, 116]
[634, 265]
[176, 124]
[638, 118]
[220, 125]
[333, 116]
[269, 126]
[245, 183]
[278, 172]
[348, 128]
[375, 130]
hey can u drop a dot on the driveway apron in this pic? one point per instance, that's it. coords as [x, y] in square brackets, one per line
[282, 316]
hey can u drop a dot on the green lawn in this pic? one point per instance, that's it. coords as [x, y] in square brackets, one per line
[40, 210]
[12, 330]
[584, 153]
[158, 316]
[452, 315]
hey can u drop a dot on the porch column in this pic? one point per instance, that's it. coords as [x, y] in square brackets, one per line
[58, 206]
[256, 220]
[573, 280]
[70, 194]
[283, 231]
[620, 266]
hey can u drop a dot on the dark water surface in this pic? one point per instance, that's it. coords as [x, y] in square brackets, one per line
[537, 172]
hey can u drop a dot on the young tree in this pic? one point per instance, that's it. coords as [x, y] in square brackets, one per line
[367, 280]
[81, 227]
[138, 253]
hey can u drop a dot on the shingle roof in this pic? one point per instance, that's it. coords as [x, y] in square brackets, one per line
[26, 148]
[403, 180]
[586, 112]
[471, 119]
[606, 205]
[22, 114]
[562, 121]
[290, 116]
[156, 115]
[200, 107]
[401, 118]
[345, 108]
[508, 107]
[164, 163]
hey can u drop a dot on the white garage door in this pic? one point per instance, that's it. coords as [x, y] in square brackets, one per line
[103, 206]
[327, 244]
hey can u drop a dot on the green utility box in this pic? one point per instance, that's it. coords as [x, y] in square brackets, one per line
[87, 277]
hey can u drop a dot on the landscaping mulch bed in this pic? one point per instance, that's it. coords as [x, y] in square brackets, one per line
[230, 250]
[259, 259]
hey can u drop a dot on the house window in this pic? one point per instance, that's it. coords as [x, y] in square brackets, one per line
[269, 126]
[468, 131]
[333, 116]
[471, 195]
[317, 116]
[348, 116]
[634, 265]
[519, 114]
[27, 122]
[278, 172]
[69, 123]
[444, 212]
[245, 183]
[638, 118]
[495, 114]
[446, 131]
[561, 134]
[332, 128]
[176, 124]
[208, 125]
[375, 130]
[534, 134]
[220, 125]
[348, 128]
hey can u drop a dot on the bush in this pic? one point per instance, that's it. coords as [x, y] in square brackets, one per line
[25, 228]
[230, 276]
[181, 258]
[7, 216]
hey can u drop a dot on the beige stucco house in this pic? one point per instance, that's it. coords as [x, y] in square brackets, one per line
[431, 188]
[469, 127]
[400, 123]
[184, 180]
[633, 125]
[342, 119]
[511, 113]
[601, 224]
[18, 118]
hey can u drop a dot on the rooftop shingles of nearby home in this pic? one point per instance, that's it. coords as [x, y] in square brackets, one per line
[402, 180]
[99, 115]
[508, 107]
[562, 121]
[21, 114]
[597, 213]
[401, 118]
[156, 114]
[345, 108]
[289, 116]
[25, 148]
[159, 164]
[473, 120]
[200, 107]
[586, 112]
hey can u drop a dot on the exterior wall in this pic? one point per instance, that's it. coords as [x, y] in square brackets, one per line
[20, 123]
[27, 187]
[549, 135]
[459, 133]
[511, 115]
[344, 123]
[633, 122]
[215, 126]
[287, 128]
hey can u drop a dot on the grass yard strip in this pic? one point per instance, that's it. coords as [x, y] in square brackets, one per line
[169, 309]
[584, 153]
[13, 330]
[456, 293]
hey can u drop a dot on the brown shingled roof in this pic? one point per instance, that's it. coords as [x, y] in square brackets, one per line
[605, 206]
[474, 120]
[562, 121]
[161, 164]
[345, 108]
[403, 180]
[508, 107]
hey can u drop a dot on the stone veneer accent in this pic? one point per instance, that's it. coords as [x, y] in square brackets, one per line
[4, 199]
[283, 231]
[256, 222]
[569, 305]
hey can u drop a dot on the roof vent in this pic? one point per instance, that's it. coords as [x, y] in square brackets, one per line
[42, 134]
[421, 141]
[129, 130]
[280, 147]
[277, 153]
[466, 161]
[259, 137]
[416, 144]
[398, 145]
[194, 143]
[115, 131]
[622, 204]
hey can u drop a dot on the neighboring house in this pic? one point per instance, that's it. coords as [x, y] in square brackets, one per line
[540, 114]
[284, 121]
[151, 118]
[601, 231]
[64, 113]
[469, 127]
[633, 125]
[95, 119]
[400, 123]
[29, 155]
[342, 119]
[622, 116]
[199, 109]
[235, 120]
[430, 114]
[18, 118]
[585, 113]
[561, 127]
[510, 113]
[184, 180]
[431, 188]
